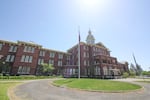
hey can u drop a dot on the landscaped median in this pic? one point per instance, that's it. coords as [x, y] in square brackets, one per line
[97, 85]
[7, 83]
[4, 86]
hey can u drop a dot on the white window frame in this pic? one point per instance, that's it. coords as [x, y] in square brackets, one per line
[23, 70]
[13, 48]
[40, 61]
[60, 56]
[26, 58]
[59, 63]
[30, 59]
[52, 54]
[42, 53]
[51, 61]
[10, 58]
[29, 49]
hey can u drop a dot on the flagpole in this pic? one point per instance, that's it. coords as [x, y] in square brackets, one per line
[79, 56]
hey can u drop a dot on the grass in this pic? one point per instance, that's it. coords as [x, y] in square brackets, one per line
[26, 77]
[4, 86]
[97, 85]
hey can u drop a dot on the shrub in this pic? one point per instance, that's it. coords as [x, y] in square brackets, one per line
[125, 75]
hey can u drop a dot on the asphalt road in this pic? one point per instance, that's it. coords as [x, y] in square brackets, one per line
[43, 90]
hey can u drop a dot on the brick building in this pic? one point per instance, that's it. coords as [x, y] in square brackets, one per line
[95, 61]
[25, 58]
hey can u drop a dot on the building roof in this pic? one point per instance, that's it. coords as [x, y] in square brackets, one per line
[11, 42]
[54, 51]
[29, 43]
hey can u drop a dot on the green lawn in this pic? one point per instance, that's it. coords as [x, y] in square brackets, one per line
[4, 86]
[26, 77]
[97, 85]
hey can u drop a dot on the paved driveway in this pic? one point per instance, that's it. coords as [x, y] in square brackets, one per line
[43, 90]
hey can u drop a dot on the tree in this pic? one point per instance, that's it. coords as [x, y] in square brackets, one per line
[132, 74]
[125, 75]
[136, 69]
[139, 69]
[133, 68]
[4, 67]
[146, 73]
[47, 68]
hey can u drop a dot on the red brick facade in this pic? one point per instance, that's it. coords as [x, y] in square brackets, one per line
[95, 61]
[25, 58]
[29, 56]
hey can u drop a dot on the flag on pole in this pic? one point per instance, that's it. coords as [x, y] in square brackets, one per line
[79, 34]
[79, 55]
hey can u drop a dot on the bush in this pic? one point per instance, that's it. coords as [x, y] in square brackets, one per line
[132, 74]
[125, 75]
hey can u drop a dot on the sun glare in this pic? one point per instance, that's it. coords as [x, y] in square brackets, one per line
[92, 5]
[89, 3]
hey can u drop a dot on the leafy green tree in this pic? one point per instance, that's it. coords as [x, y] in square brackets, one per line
[4, 67]
[132, 74]
[147, 73]
[47, 68]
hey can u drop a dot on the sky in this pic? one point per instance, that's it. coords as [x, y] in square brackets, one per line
[123, 26]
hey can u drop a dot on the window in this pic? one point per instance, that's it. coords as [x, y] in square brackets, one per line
[73, 71]
[94, 54]
[10, 58]
[68, 63]
[87, 55]
[23, 70]
[84, 47]
[104, 61]
[51, 62]
[13, 48]
[42, 53]
[68, 57]
[32, 50]
[105, 71]
[97, 70]
[59, 63]
[22, 58]
[29, 49]
[30, 59]
[93, 48]
[40, 61]
[84, 54]
[84, 62]
[1, 45]
[88, 63]
[52, 54]
[26, 58]
[60, 56]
